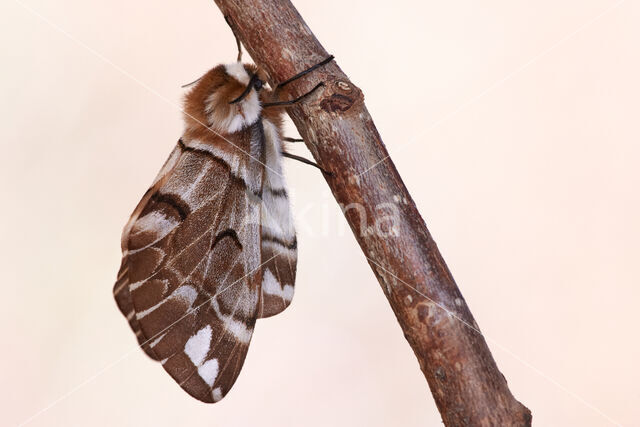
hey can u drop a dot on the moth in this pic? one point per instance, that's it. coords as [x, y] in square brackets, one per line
[211, 247]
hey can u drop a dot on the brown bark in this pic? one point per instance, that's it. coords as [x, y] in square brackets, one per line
[465, 382]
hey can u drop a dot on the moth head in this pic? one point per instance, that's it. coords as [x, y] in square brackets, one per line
[226, 99]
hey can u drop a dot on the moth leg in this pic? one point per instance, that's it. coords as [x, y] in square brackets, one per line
[297, 76]
[305, 161]
[292, 101]
[305, 72]
[296, 100]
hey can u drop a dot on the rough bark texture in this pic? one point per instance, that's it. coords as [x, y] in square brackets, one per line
[465, 382]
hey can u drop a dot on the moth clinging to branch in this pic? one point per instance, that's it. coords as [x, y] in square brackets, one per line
[211, 247]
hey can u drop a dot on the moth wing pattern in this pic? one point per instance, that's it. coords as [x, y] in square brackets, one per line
[278, 236]
[121, 287]
[190, 278]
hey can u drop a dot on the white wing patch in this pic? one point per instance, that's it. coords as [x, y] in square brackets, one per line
[156, 225]
[197, 347]
[155, 222]
[271, 286]
[208, 371]
[157, 340]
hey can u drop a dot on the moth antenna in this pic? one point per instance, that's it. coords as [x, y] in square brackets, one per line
[192, 83]
[226, 18]
[306, 161]
[293, 139]
[292, 101]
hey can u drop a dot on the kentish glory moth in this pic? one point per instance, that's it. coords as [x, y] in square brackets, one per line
[211, 246]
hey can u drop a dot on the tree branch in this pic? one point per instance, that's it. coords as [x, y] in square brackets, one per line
[465, 382]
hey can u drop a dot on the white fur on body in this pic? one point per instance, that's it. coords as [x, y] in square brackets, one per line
[238, 72]
[244, 113]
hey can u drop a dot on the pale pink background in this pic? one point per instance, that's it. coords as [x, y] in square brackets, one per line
[513, 123]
